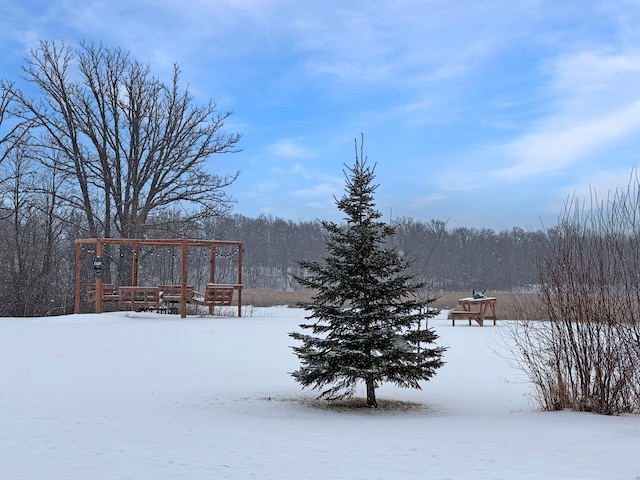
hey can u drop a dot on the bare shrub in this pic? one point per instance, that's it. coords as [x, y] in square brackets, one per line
[586, 355]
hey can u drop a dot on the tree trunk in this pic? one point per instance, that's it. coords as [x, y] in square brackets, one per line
[371, 393]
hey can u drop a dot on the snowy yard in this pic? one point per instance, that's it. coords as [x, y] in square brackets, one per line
[147, 396]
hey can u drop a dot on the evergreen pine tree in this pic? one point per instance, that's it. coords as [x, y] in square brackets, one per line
[366, 318]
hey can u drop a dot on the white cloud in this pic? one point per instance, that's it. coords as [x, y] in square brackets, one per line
[592, 102]
[601, 184]
[550, 150]
[591, 81]
[267, 187]
[400, 43]
[320, 190]
[290, 149]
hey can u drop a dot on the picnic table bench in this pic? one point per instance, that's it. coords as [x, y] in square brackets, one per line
[477, 309]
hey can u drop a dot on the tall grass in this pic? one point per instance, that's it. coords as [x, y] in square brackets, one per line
[510, 306]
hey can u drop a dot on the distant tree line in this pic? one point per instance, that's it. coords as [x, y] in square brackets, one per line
[449, 259]
[38, 256]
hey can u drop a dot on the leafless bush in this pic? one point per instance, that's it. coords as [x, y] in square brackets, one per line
[586, 356]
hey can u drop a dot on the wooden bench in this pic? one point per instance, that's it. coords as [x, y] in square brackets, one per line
[215, 294]
[140, 298]
[109, 293]
[463, 314]
[173, 293]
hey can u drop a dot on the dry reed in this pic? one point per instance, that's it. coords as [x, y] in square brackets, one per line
[510, 306]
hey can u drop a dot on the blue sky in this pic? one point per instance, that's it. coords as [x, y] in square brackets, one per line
[483, 114]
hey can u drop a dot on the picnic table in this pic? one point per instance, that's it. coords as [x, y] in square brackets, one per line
[475, 308]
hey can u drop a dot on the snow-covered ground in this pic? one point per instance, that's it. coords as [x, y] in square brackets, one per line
[146, 396]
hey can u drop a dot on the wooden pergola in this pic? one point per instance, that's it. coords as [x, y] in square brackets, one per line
[215, 294]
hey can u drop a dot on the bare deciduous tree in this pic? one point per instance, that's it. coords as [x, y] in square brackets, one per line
[135, 146]
[12, 130]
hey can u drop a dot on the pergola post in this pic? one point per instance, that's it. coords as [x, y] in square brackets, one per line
[134, 265]
[183, 279]
[77, 299]
[98, 275]
[212, 270]
[240, 249]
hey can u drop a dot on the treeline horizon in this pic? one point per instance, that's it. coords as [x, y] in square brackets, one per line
[444, 258]
[39, 279]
